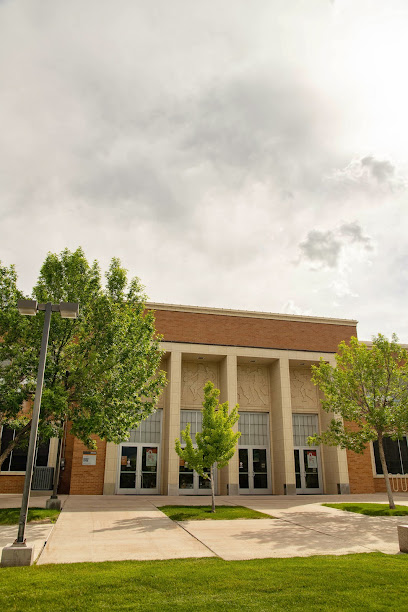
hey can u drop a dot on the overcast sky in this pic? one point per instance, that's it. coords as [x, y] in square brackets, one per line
[236, 154]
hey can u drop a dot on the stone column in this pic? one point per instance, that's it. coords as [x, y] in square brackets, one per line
[228, 481]
[172, 424]
[283, 462]
[111, 468]
[334, 459]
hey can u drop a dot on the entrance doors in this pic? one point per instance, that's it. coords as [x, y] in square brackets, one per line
[253, 470]
[307, 470]
[138, 468]
[191, 483]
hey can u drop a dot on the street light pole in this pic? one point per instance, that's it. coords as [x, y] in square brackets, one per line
[19, 553]
[20, 541]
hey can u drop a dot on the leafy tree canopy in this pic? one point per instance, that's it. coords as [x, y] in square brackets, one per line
[368, 394]
[102, 370]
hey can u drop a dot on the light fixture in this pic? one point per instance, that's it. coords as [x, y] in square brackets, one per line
[27, 307]
[200, 357]
[69, 310]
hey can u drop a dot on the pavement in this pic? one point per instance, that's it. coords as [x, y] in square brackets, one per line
[37, 534]
[119, 527]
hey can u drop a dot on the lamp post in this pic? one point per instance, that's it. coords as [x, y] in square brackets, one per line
[19, 553]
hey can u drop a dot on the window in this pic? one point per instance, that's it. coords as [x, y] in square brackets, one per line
[195, 418]
[396, 456]
[304, 425]
[254, 429]
[148, 430]
[17, 459]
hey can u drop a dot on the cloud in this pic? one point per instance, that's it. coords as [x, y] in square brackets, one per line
[324, 248]
[354, 232]
[382, 170]
[291, 308]
[368, 174]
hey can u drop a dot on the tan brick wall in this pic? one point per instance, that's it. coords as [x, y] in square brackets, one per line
[227, 330]
[87, 479]
[11, 484]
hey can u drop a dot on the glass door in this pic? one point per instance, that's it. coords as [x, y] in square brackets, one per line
[253, 470]
[307, 470]
[138, 469]
[191, 483]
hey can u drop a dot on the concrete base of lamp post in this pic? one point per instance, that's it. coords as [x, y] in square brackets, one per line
[53, 504]
[403, 538]
[17, 555]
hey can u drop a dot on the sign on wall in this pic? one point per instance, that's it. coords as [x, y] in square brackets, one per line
[89, 458]
[151, 457]
[312, 459]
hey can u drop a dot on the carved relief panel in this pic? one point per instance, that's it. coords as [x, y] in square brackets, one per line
[193, 378]
[303, 392]
[253, 386]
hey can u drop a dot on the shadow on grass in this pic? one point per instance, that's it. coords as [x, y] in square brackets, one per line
[371, 509]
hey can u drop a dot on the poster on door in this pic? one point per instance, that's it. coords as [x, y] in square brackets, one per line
[312, 459]
[151, 457]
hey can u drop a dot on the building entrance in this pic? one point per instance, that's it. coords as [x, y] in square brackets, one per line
[253, 453]
[307, 459]
[139, 458]
[307, 470]
[138, 469]
[191, 483]
[253, 470]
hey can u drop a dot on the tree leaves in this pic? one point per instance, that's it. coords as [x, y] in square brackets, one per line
[102, 371]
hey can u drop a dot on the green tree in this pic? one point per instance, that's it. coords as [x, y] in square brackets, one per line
[368, 394]
[102, 372]
[215, 445]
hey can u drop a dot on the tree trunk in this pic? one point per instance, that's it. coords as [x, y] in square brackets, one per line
[385, 471]
[20, 434]
[212, 489]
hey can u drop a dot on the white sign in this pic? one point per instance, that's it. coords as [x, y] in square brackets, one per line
[89, 458]
[151, 457]
[311, 459]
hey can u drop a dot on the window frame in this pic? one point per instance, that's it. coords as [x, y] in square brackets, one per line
[11, 472]
[374, 462]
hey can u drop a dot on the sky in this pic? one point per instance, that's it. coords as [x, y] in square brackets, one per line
[233, 154]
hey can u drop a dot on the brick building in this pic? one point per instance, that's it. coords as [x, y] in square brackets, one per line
[262, 362]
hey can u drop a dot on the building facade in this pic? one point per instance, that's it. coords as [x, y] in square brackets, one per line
[262, 362]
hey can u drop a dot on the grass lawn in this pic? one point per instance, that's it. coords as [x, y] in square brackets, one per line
[348, 583]
[202, 513]
[10, 516]
[371, 509]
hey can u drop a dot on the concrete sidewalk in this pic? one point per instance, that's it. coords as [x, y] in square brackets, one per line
[118, 527]
[302, 528]
[37, 534]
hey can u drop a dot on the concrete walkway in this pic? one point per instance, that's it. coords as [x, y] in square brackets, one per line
[302, 528]
[108, 528]
[115, 528]
[37, 534]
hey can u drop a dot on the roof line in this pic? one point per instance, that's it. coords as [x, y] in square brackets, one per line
[249, 314]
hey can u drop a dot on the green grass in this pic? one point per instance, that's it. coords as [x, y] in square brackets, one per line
[202, 513]
[366, 582]
[371, 509]
[10, 516]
